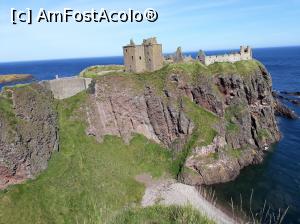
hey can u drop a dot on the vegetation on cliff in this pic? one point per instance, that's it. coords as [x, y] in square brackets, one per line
[97, 70]
[232, 101]
[14, 77]
[91, 182]
[203, 124]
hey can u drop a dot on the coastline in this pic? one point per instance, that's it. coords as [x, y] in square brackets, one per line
[283, 152]
[8, 78]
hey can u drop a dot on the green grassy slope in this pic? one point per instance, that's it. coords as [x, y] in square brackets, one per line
[162, 215]
[90, 182]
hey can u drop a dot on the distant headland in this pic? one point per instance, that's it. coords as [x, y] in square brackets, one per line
[14, 77]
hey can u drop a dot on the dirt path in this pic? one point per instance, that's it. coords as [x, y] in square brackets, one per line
[170, 192]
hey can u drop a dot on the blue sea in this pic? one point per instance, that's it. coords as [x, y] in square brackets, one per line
[277, 180]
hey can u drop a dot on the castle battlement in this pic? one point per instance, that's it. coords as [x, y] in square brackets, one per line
[245, 53]
[145, 57]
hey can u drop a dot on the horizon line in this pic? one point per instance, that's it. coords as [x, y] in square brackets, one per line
[112, 56]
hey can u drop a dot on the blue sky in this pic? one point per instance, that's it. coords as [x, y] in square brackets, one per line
[191, 24]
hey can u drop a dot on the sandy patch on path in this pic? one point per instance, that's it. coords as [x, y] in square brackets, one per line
[170, 192]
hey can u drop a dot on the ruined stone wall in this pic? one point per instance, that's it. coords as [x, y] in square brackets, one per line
[63, 88]
[244, 54]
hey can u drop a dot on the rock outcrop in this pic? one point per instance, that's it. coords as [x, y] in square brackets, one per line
[284, 111]
[281, 109]
[248, 127]
[120, 111]
[215, 119]
[29, 133]
[243, 104]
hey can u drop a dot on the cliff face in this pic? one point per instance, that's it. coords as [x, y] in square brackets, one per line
[28, 134]
[216, 119]
[118, 108]
[248, 126]
[236, 125]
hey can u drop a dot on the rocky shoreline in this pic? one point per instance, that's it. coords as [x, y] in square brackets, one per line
[14, 77]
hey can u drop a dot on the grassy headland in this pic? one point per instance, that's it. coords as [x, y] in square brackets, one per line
[14, 77]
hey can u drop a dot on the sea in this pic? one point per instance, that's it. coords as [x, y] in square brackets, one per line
[276, 182]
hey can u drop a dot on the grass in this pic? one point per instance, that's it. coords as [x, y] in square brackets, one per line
[234, 111]
[263, 134]
[14, 77]
[235, 153]
[231, 113]
[91, 182]
[162, 215]
[191, 72]
[98, 70]
[17, 86]
[203, 133]
[204, 121]
[232, 127]
[6, 109]
[242, 68]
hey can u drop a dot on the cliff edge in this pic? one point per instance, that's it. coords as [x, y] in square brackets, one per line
[215, 119]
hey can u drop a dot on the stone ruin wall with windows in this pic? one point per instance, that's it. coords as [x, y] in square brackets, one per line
[244, 54]
[145, 57]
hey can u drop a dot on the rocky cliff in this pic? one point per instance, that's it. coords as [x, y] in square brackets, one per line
[118, 108]
[28, 133]
[215, 119]
[219, 119]
[247, 127]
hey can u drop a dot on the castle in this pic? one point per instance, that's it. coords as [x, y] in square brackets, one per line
[149, 57]
[244, 54]
[145, 57]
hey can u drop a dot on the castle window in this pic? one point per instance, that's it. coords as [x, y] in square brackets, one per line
[132, 57]
[126, 50]
[140, 58]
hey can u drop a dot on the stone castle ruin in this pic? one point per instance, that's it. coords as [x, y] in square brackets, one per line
[245, 53]
[149, 57]
[145, 57]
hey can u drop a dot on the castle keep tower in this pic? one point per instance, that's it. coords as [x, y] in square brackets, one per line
[145, 57]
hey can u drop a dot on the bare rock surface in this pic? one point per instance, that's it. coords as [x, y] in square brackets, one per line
[29, 136]
[284, 111]
[115, 110]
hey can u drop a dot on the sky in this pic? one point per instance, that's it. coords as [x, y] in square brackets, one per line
[191, 24]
